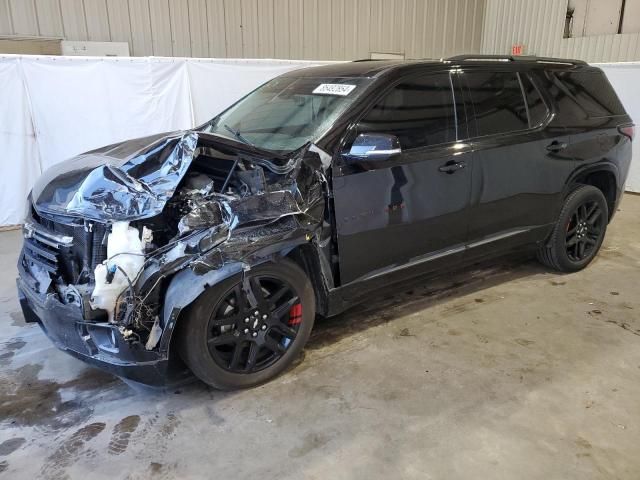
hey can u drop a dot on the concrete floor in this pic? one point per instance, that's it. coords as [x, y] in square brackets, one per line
[496, 373]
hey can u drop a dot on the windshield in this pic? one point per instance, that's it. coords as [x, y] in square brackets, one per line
[287, 112]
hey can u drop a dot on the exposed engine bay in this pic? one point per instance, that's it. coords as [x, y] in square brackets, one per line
[188, 201]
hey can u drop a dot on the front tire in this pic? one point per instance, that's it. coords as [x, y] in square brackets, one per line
[579, 231]
[239, 334]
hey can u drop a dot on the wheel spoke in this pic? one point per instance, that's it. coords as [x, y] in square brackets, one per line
[582, 215]
[285, 330]
[589, 241]
[580, 249]
[254, 348]
[235, 358]
[219, 322]
[274, 298]
[285, 307]
[274, 346]
[572, 240]
[594, 216]
[222, 339]
[256, 288]
[241, 298]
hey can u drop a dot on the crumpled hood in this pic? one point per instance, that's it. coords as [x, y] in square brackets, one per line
[126, 181]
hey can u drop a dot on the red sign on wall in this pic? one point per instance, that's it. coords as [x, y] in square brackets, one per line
[517, 49]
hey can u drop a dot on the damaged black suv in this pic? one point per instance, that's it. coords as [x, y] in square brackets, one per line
[215, 248]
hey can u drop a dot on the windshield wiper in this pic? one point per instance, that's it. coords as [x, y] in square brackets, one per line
[238, 135]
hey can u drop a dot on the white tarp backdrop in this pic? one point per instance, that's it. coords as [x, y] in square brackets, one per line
[52, 108]
[625, 78]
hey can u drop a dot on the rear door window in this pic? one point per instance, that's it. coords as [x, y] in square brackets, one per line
[421, 112]
[498, 104]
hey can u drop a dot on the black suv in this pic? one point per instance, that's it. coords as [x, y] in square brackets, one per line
[215, 248]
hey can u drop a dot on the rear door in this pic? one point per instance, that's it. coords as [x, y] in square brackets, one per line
[409, 208]
[519, 162]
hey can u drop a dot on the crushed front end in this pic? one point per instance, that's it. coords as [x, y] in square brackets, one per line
[117, 242]
[55, 285]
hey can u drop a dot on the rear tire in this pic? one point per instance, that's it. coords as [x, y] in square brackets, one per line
[579, 231]
[229, 346]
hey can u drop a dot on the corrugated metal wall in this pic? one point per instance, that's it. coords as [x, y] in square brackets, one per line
[539, 25]
[293, 29]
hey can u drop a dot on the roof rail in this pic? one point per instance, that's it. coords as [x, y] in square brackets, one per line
[515, 58]
[369, 60]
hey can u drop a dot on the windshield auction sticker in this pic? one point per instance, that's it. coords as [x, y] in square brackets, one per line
[334, 89]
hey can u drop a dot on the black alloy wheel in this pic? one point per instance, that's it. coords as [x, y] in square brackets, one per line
[584, 230]
[245, 339]
[579, 231]
[249, 328]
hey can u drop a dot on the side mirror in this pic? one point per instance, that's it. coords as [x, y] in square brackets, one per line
[374, 146]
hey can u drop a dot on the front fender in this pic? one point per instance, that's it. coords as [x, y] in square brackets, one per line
[188, 284]
[184, 288]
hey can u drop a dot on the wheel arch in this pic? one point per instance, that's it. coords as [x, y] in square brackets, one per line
[603, 176]
[308, 258]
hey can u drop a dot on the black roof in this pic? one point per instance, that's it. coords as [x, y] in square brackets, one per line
[366, 68]
[373, 68]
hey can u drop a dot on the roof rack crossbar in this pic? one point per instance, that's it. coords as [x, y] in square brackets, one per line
[516, 58]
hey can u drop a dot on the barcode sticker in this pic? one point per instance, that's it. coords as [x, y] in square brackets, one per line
[334, 89]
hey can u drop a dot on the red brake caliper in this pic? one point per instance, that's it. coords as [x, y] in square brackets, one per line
[295, 314]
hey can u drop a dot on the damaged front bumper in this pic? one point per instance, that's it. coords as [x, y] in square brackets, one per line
[100, 344]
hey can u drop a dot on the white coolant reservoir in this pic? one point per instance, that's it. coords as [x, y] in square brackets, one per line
[124, 250]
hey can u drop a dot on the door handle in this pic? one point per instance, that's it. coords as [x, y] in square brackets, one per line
[556, 146]
[452, 167]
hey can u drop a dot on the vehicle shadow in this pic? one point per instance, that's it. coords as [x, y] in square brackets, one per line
[412, 296]
[385, 306]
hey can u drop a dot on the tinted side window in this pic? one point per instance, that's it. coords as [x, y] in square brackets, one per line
[498, 102]
[419, 112]
[592, 91]
[567, 111]
[538, 110]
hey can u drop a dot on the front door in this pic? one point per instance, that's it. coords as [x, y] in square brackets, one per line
[408, 208]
